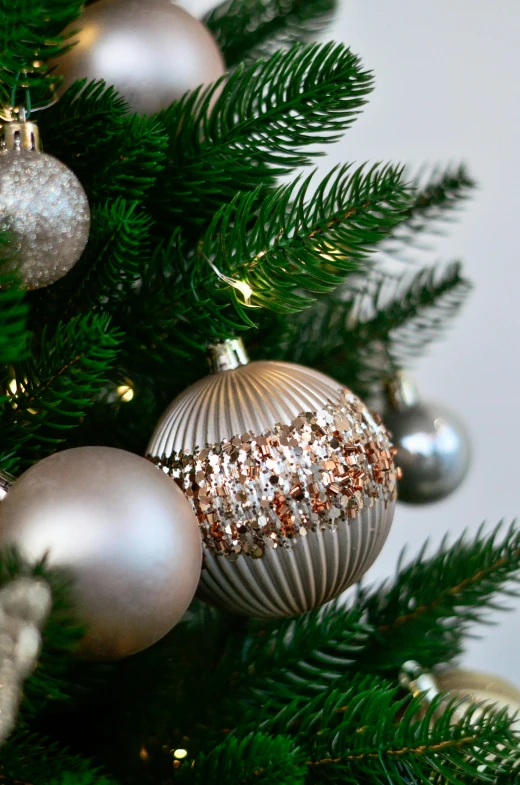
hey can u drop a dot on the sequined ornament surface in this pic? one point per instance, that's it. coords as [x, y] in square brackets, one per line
[43, 208]
[290, 476]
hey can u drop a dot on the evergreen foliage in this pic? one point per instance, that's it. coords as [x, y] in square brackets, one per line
[369, 328]
[30, 36]
[248, 29]
[194, 239]
[264, 120]
[53, 388]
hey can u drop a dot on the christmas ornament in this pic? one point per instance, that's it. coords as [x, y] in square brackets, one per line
[290, 476]
[152, 52]
[476, 690]
[433, 449]
[125, 533]
[43, 207]
[25, 604]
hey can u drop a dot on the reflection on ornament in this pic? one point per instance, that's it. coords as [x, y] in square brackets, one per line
[433, 448]
[291, 479]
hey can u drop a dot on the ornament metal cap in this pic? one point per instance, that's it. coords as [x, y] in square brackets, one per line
[227, 355]
[20, 134]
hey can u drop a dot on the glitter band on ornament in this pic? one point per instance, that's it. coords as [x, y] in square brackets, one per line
[256, 492]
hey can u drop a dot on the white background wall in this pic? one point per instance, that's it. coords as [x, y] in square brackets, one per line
[447, 88]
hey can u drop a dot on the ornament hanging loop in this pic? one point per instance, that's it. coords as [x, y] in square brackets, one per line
[227, 355]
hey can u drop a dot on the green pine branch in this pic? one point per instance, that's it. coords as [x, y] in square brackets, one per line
[31, 758]
[54, 388]
[298, 243]
[249, 29]
[14, 336]
[111, 266]
[14, 311]
[410, 312]
[30, 36]
[79, 127]
[427, 610]
[374, 737]
[366, 731]
[299, 657]
[171, 315]
[436, 203]
[113, 153]
[257, 759]
[260, 126]
[372, 325]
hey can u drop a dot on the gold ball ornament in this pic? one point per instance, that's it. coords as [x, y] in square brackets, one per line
[124, 533]
[477, 691]
[291, 478]
[152, 52]
[43, 208]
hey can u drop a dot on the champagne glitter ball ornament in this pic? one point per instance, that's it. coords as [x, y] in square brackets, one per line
[433, 449]
[151, 51]
[290, 476]
[123, 531]
[43, 208]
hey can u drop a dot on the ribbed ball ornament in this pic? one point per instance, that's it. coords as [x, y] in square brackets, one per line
[290, 476]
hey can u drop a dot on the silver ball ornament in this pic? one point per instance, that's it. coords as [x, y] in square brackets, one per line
[291, 479]
[43, 208]
[433, 449]
[124, 532]
[152, 52]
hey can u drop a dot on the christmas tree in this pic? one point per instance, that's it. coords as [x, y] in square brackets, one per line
[174, 175]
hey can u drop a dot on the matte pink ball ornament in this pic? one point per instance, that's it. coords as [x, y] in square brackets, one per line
[124, 532]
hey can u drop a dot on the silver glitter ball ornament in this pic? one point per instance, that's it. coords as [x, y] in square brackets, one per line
[43, 208]
[291, 479]
[433, 448]
[152, 52]
[123, 531]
